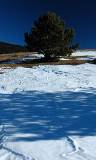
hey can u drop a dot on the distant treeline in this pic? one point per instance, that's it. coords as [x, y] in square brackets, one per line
[6, 48]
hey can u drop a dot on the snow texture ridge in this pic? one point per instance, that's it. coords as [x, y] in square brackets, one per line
[7, 153]
[48, 78]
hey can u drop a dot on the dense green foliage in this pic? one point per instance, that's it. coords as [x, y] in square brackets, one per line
[50, 36]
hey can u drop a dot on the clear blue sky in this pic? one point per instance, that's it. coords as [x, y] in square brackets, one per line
[17, 17]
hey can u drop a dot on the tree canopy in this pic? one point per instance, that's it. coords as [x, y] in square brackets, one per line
[50, 36]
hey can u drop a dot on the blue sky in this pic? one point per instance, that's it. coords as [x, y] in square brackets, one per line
[17, 17]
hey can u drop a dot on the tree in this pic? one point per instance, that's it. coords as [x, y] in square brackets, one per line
[50, 36]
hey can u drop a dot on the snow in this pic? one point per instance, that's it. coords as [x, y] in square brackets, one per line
[48, 78]
[87, 54]
[33, 56]
[48, 113]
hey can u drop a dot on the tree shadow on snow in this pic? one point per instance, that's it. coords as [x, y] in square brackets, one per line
[42, 116]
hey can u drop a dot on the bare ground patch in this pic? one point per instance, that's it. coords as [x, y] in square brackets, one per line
[5, 58]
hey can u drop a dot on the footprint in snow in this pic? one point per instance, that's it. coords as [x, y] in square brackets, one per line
[76, 150]
[7, 153]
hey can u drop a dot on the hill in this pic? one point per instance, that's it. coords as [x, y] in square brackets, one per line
[6, 48]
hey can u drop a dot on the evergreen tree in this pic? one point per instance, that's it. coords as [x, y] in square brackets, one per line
[50, 36]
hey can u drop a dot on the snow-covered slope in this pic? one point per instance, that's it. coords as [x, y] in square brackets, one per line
[48, 113]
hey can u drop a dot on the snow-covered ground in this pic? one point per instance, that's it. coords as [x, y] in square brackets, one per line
[48, 78]
[48, 113]
[87, 55]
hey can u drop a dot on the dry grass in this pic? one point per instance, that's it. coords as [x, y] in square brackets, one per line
[73, 62]
[15, 56]
[75, 57]
[30, 65]
[12, 56]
